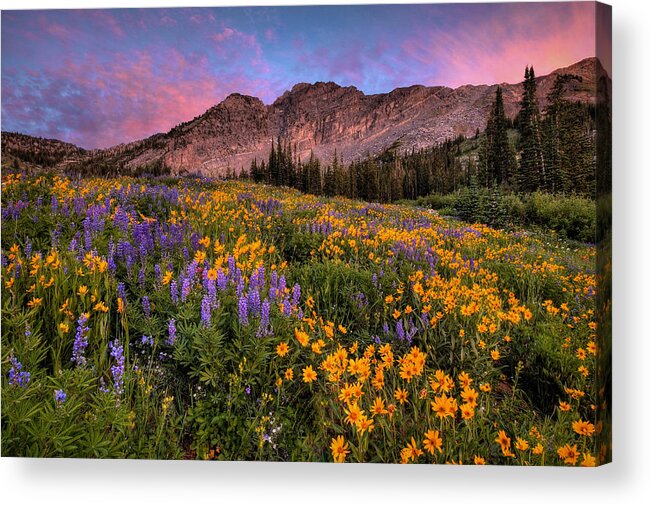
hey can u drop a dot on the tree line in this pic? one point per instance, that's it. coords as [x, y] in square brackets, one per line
[550, 150]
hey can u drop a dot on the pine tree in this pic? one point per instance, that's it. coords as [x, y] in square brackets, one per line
[273, 167]
[568, 142]
[532, 174]
[497, 157]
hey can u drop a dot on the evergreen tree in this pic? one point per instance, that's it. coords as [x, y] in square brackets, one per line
[274, 176]
[568, 142]
[497, 157]
[532, 175]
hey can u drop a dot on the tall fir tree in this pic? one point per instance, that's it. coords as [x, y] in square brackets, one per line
[497, 157]
[568, 142]
[532, 174]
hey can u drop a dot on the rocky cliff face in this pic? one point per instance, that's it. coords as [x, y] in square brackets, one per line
[324, 117]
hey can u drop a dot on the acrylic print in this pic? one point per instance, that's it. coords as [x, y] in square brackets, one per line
[342, 234]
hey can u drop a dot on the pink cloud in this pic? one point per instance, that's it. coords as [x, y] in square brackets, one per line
[469, 53]
[133, 96]
[105, 19]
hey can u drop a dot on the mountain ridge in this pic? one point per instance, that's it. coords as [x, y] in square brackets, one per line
[324, 118]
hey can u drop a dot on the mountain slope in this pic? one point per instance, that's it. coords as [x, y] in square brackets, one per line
[326, 117]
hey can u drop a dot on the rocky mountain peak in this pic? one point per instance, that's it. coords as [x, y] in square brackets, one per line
[323, 117]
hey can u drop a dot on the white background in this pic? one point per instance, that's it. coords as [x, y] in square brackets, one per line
[626, 481]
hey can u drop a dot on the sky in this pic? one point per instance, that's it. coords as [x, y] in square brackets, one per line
[97, 78]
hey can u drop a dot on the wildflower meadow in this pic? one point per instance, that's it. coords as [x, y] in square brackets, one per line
[192, 318]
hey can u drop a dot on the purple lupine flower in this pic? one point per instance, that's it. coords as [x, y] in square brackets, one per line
[146, 306]
[60, 397]
[239, 288]
[102, 386]
[147, 340]
[282, 285]
[185, 289]
[296, 294]
[28, 249]
[222, 280]
[287, 307]
[171, 332]
[248, 390]
[81, 341]
[211, 289]
[205, 311]
[17, 376]
[385, 328]
[261, 276]
[122, 292]
[174, 292]
[141, 276]
[273, 285]
[265, 311]
[254, 301]
[243, 311]
[400, 331]
[117, 370]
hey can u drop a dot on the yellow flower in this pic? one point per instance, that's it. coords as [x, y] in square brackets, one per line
[396, 314]
[588, 460]
[504, 441]
[565, 406]
[538, 449]
[444, 406]
[364, 424]
[64, 327]
[432, 441]
[167, 277]
[200, 257]
[289, 374]
[467, 411]
[309, 374]
[339, 449]
[479, 461]
[353, 413]
[35, 302]
[469, 395]
[583, 428]
[282, 349]
[378, 407]
[485, 387]
[302, 337]
[401, 395]
[100, 306]
[522, 444]
[568, 454]
[83, 290]
[411, 452]
[464, 380]
[495, 354]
